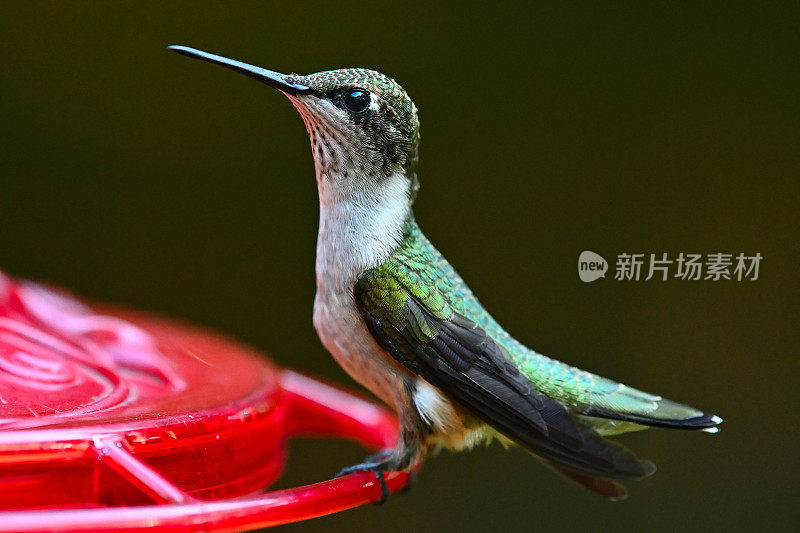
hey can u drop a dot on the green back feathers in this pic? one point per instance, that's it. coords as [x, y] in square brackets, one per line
[417, 269]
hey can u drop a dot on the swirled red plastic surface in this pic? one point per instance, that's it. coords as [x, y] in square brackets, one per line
[117, 420]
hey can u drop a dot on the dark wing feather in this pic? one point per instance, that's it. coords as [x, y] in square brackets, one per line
[419, 330]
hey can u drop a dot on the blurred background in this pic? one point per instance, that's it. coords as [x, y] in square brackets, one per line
[133, 175]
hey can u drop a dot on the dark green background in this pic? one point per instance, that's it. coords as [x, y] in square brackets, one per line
[136, 176]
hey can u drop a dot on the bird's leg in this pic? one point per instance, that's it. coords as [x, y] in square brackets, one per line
[402, 457]
[410, 449]
[379, 456]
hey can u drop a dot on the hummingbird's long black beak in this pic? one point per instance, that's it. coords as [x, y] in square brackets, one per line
[271, 78]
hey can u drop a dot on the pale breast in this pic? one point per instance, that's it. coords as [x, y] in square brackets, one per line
[345, 335]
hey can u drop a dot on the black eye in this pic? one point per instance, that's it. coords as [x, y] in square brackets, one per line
[356, 100]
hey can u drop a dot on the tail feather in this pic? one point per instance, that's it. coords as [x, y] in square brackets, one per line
[605, 405]
[632, 405]
[609, 488]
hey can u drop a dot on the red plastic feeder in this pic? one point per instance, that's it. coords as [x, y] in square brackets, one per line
[114, 420]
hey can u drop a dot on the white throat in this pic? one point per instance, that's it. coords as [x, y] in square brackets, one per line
[362, 213]
[359, 230]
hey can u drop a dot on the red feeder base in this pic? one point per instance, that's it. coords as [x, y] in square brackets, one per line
[114, 420]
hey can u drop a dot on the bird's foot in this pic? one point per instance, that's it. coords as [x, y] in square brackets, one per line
[377, 464]
[374, 468]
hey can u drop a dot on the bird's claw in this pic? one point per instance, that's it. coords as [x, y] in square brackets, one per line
[376, 468]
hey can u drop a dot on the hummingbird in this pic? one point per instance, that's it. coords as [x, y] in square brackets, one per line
[400, 320]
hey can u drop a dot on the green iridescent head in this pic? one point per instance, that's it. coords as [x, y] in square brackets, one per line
[360, 121]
